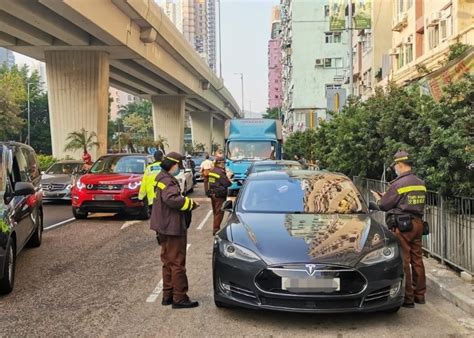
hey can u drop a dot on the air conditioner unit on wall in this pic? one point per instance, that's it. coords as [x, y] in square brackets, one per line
[319, 63]
[394, 51]
[435, 17]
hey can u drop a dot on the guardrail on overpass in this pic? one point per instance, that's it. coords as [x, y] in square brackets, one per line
[451, 222]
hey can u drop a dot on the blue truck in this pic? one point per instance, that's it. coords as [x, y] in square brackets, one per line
[250, 140]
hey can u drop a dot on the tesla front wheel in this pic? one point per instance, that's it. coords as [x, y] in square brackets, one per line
[79, 214]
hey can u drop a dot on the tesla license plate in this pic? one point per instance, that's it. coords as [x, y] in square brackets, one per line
[311, 284]
[103, 197]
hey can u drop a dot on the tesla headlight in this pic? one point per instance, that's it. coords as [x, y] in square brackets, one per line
[134, 185]
[80, 185]
[381, 255]
[234, 251]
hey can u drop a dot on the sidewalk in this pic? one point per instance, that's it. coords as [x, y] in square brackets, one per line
[448, 284]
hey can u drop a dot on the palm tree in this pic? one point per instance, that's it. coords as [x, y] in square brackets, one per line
[82, 139]
[161, 142]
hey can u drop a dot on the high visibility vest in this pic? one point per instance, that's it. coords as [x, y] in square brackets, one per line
[147, 187]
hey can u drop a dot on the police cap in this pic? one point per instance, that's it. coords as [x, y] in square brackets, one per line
[401, 156]
[171, 158]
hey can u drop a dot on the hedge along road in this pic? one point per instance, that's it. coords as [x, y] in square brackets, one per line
[94, 277]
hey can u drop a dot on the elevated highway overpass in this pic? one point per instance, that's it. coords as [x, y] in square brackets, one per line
[88, 45]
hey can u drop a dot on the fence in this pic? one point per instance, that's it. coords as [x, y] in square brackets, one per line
[451, 222]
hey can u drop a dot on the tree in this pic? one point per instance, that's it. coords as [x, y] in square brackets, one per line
[272, 113]
[82, 139]
[12, 95]
[141, 107]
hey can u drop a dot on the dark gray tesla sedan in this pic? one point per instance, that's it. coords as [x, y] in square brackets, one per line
[305, 241]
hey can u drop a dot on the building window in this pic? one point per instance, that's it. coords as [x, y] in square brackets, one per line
[409, 52]
[409, 4]
[433, 36]
[326, 10]
[327, 63]
[333, 37]
[401, 59]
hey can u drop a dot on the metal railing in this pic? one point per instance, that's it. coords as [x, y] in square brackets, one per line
[451, 221]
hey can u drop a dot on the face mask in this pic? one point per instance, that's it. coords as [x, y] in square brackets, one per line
[176, 172]
[397, 172]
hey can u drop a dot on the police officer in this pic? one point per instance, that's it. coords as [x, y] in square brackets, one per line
[169, 221]
[147, 187]
[218, 184]
[404, 203]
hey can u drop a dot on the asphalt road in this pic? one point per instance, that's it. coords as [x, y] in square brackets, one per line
[56, 213]
[100, 277]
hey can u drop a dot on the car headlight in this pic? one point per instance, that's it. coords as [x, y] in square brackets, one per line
[381, 255]
[68, 187]
[234, 251]
[80, 185]
[134, 185]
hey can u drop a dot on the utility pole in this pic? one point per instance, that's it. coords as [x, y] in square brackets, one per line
[28, 91]
[351, 55]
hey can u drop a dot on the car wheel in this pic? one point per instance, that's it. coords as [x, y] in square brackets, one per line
[79, 214]
[393, 310]
[35, 240]
[145, 211]
[8, 280]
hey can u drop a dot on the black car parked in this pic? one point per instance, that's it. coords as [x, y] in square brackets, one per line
[305, 241]
[21, 208]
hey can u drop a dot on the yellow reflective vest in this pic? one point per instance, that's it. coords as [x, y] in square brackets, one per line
[147, 187]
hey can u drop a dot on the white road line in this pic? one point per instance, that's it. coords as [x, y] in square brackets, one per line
[200, 226]
[128, 223]
[157, 290]
[59, 224]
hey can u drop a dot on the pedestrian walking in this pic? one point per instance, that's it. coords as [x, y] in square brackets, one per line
[218, 184]
[168, 219]
[206, 167]
[190, 164]
[404, 203]
[148, 185]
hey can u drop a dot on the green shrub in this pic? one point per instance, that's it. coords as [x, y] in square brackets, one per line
[45, 161]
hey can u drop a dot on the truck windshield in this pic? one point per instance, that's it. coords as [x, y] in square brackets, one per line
[250, 150]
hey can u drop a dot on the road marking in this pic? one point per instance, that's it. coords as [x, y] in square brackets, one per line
[128, 223]
[59, 224]
[159, 287]
[200, 226]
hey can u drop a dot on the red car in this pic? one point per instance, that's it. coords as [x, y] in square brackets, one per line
[112, 186]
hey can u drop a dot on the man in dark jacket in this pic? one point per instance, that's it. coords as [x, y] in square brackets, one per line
[218, 184]
[404, 203]
[168, 219]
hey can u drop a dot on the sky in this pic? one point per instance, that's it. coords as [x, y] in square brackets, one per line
[245, 35]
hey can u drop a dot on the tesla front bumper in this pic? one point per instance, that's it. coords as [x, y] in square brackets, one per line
[258, 286]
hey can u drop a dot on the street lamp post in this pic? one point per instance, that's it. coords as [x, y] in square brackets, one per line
[242, 84]
[29, 124]
[220, 41]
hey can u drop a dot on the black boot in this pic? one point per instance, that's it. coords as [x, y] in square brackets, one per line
[167, 301]
[185, 304]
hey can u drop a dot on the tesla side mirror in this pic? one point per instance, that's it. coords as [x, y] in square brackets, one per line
[24, 189]
[373, 206]
[227, 206]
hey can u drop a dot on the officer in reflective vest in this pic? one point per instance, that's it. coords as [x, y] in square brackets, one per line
[218, 184]
[168, 219]
[404, 203]
[148, 185]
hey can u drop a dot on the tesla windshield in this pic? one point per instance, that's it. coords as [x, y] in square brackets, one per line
[120, 165]
[250, 150]
[319, 194]
[63, 168]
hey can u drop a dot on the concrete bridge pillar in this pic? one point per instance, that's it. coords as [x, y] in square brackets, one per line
[78, 94]
[168, 120]
[201, 128]
[218, 126]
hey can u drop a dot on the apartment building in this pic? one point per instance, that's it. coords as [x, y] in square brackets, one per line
[314, 64]
[275, 93]
[423, 30]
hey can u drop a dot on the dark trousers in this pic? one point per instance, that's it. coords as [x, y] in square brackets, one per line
[173, 257]
[217, 211]
[415, 280]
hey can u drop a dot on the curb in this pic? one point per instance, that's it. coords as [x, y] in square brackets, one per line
[449, 285]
